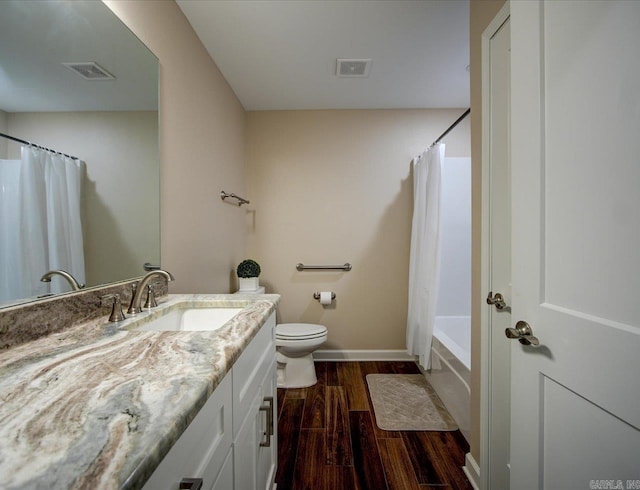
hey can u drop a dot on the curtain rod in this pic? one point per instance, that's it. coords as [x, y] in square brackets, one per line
[466, 113]
[24, 142]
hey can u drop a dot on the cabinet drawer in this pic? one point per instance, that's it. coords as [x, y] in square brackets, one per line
[203, 447]
[250, 369]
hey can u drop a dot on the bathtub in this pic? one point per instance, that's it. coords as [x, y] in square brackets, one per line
[450, 372]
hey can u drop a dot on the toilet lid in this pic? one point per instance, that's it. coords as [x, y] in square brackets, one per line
[299, 331]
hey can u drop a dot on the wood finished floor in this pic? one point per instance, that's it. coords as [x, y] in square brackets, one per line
[328, 438]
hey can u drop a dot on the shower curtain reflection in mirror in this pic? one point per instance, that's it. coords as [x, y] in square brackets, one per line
[40, 222]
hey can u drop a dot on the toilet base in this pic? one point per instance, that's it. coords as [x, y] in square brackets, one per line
[296, 372]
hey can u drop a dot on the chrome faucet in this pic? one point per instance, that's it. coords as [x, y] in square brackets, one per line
[70, 279]
[134, 307]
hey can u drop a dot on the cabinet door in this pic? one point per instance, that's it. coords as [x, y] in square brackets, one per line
[201, 450]
[268, 455]
[245, 453]
[255, 444]
[224, 481]
[249, 372]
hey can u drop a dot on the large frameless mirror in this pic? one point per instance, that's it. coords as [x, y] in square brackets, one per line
[75, 79]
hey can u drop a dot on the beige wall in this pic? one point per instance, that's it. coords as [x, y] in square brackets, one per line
[121, 226]
[202, 128]
[481, 13]
[329, 187]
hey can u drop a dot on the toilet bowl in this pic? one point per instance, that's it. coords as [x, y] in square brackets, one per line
[295, 343]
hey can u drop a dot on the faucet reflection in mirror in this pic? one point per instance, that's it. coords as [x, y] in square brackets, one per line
[41, 225]
[75, 285]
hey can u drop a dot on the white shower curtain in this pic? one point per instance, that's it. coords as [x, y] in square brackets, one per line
[425, 254]
[10, 274]
[49, 229]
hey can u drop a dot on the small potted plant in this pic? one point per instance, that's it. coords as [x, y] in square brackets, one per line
[248, 271]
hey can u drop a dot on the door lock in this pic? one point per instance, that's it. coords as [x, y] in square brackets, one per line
[497, 300]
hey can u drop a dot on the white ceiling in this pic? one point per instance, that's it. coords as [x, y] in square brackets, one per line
[281, 54]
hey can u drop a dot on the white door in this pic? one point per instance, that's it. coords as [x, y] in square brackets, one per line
[575, 145]
[496, 270]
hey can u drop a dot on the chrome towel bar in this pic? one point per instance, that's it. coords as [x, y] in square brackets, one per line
[241, 200]
[148, 266]
[301, 267]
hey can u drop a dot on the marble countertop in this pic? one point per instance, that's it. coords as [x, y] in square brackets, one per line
[97, 406]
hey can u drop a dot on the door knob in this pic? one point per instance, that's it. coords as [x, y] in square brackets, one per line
[523, 333]
[497, 300]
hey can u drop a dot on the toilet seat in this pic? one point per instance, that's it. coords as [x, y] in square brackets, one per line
[300, 337]
[300, 331]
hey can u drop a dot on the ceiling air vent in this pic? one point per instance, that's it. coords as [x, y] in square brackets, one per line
[90, 71]
[353, 68]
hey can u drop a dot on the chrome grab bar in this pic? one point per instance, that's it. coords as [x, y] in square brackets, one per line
[301, 267]
[241, 200]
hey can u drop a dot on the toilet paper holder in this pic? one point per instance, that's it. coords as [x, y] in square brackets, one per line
[317, 296]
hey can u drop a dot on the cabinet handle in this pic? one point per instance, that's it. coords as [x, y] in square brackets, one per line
[191, 483]
[269, 411]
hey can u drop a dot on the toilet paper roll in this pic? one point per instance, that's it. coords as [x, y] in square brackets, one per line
[325, 297]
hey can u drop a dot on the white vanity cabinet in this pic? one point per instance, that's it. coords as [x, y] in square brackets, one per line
[232, 442]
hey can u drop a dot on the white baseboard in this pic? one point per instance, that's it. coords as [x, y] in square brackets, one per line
[472, 470]
[362, 355]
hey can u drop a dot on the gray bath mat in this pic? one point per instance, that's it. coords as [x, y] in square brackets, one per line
[407, 402]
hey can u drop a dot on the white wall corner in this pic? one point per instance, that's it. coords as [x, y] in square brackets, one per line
[362, 355]
[472, 470]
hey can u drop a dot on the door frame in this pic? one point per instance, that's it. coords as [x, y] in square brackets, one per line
[486, 351]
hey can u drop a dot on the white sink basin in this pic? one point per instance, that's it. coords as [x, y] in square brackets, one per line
[191, 319]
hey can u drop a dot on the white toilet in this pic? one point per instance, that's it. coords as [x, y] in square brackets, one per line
[295, 343]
